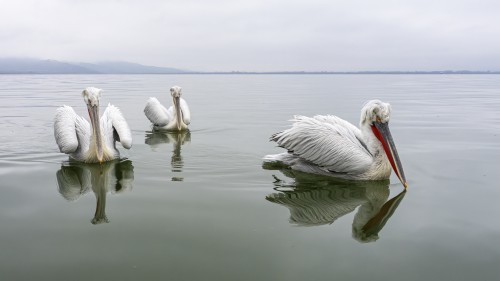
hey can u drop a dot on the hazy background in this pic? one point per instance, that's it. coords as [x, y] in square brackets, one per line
[258, 35]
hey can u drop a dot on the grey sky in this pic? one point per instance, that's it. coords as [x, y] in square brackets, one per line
[258, 35]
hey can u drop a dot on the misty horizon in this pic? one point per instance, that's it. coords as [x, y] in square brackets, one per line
[53, 66]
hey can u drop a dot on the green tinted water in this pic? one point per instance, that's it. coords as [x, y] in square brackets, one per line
[200, 206]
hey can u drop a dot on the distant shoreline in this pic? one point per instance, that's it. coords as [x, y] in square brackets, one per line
[28, 66]
[273, 73]
[345, 72]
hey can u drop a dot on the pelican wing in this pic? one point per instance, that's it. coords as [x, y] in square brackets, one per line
[65, 131]
[157, 113]
[186, 114]
[327, 141]
[121, 131]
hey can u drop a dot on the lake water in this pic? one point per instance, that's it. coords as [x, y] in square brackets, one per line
[200, 206]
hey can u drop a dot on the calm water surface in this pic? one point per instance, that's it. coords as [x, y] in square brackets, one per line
[200, 206]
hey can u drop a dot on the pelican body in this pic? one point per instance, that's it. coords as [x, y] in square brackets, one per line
[176, 118]
[95, 141]
[329, 145]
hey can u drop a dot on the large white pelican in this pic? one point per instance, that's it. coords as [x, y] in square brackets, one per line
[329, 145]
[95, 141]
[176, 118]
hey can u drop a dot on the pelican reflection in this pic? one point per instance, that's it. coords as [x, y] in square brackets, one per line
[76, 179]
[178, 139]
[317, 200]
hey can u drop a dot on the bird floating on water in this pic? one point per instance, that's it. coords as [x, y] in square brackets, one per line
[95, 141]
[329, 145]
[176, 118]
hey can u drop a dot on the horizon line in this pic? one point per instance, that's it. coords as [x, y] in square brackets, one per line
[268, 72]
[176, 70]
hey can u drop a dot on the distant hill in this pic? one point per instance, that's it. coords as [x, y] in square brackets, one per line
[120, 67]
[37, 66]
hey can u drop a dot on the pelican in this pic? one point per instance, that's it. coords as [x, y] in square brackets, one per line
[176, 118]
[329, 145]
[95, 141]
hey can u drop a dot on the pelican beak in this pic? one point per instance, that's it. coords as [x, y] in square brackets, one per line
[381, 131]
[178, 112]
[96, 127]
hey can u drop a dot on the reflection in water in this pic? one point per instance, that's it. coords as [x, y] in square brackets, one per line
[316, 200]
[154, 139]
[76, 179]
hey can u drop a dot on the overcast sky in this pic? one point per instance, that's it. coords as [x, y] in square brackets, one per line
[258, 35]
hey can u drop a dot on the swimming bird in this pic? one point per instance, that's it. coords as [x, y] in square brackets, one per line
[329, 145]
[95, 141]
[176, 118]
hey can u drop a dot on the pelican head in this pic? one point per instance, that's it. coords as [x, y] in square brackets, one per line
[375, 115]
[91, 96]
[176, 93]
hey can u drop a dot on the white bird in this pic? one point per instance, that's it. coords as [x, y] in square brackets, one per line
[329, 145]
[176, 118]
[95, 141]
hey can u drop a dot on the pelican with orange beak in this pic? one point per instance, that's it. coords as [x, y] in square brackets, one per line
[329, 145]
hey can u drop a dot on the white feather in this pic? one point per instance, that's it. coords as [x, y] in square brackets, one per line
[327, 142]
[112, 118]
[157, 113]
[186, 114]
[64, 129]
[73, 133]
[329, 145]
[166, 119]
